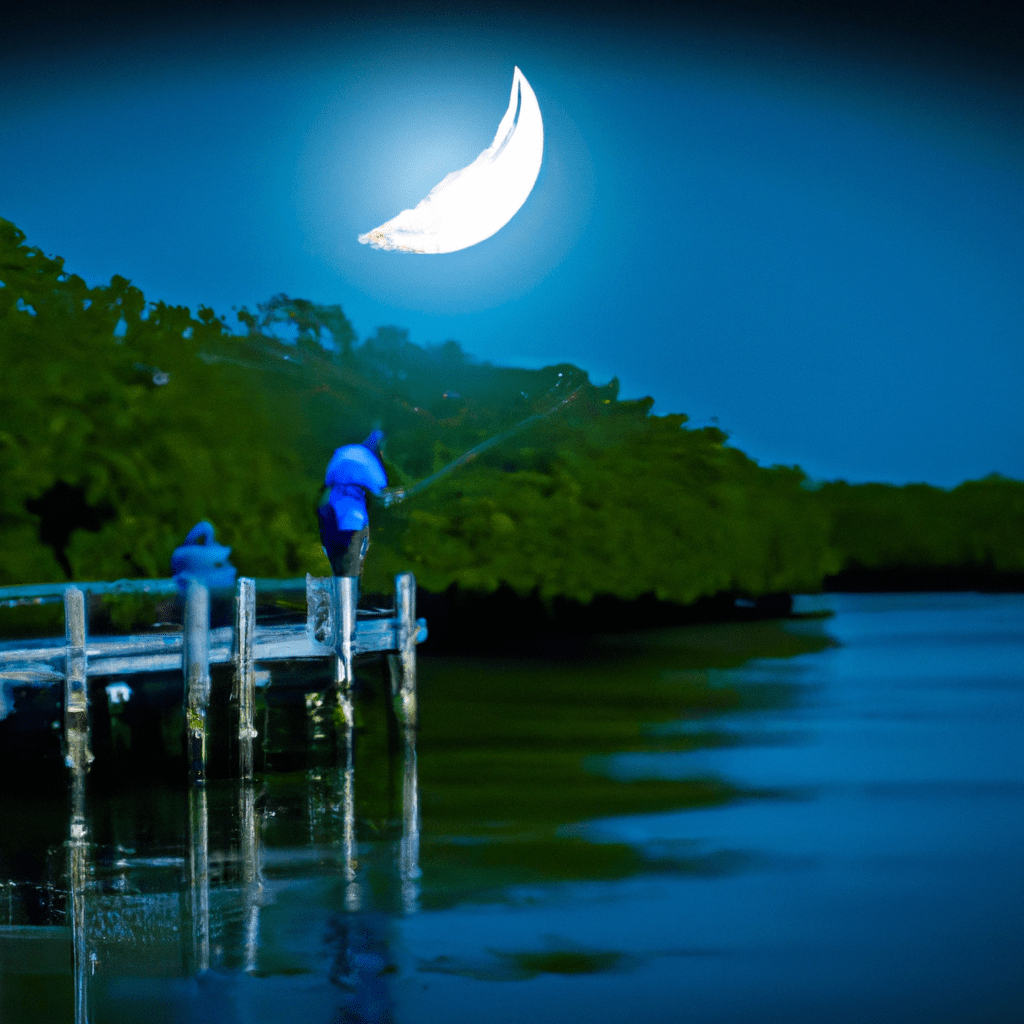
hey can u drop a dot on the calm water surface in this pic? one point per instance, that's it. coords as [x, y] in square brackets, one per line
[815, 820]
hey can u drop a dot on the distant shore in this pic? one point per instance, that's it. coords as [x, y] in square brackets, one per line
[503, 622]
[907, 579]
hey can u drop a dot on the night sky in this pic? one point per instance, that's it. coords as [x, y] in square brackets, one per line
[802, 222]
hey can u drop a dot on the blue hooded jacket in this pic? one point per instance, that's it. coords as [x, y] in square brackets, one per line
[201, 558]
[352, 471]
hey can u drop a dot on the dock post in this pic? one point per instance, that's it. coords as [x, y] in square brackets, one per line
[318, 609]
[196, 667]
[346, 593]
[244, 693]
[402, 662]
[78, 757]
[77, 754]
[244, 689]
[331, 621]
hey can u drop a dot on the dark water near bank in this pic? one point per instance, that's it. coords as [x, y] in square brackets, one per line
[811, 820]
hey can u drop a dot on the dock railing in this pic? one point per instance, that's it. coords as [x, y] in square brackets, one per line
[334, 629]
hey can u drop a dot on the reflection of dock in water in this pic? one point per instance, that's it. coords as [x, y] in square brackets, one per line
[162, 914]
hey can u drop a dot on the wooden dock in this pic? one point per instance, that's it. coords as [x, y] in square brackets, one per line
[334, 631]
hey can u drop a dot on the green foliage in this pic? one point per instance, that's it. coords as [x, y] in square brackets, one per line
[978, 525]
[161, 418]
[129, 402]
[605, 498]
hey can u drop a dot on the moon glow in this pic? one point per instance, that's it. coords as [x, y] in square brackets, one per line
[477, 201]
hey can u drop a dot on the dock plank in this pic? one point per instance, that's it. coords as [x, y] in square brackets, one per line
[42, 662]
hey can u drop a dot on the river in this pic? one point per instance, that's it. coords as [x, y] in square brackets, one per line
[816, 819]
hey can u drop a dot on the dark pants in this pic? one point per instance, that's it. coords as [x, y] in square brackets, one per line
[346, 549]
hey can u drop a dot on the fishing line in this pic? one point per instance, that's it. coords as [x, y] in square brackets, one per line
[399, 494]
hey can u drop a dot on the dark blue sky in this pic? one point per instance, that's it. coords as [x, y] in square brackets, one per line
[804, 220]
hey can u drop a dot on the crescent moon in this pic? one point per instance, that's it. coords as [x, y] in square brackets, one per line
[477, 201]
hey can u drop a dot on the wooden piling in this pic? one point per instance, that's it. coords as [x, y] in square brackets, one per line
[196, 667]
[333, 630]
[331, 621]
[402, 663]
[77, 756]
[318, 609]
[346, 594]
[244, 689]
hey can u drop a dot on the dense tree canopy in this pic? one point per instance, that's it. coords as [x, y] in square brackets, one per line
[971, 534]
[128, 403]
[123, 422]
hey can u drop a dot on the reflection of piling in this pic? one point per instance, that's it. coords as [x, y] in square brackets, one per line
[348, 851]
[251, 875]
[77, 755]
[409, 847]
[402, 662]
[331, 621]
[197, 941]
[78, 870]
[244, 689]
[196, 666]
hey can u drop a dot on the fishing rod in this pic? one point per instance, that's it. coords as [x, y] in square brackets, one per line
[399, 494]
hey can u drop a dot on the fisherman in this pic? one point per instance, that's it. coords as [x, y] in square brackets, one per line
[353, 471]
[202, 559]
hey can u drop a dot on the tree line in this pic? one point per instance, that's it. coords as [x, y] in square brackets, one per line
[123, 422]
